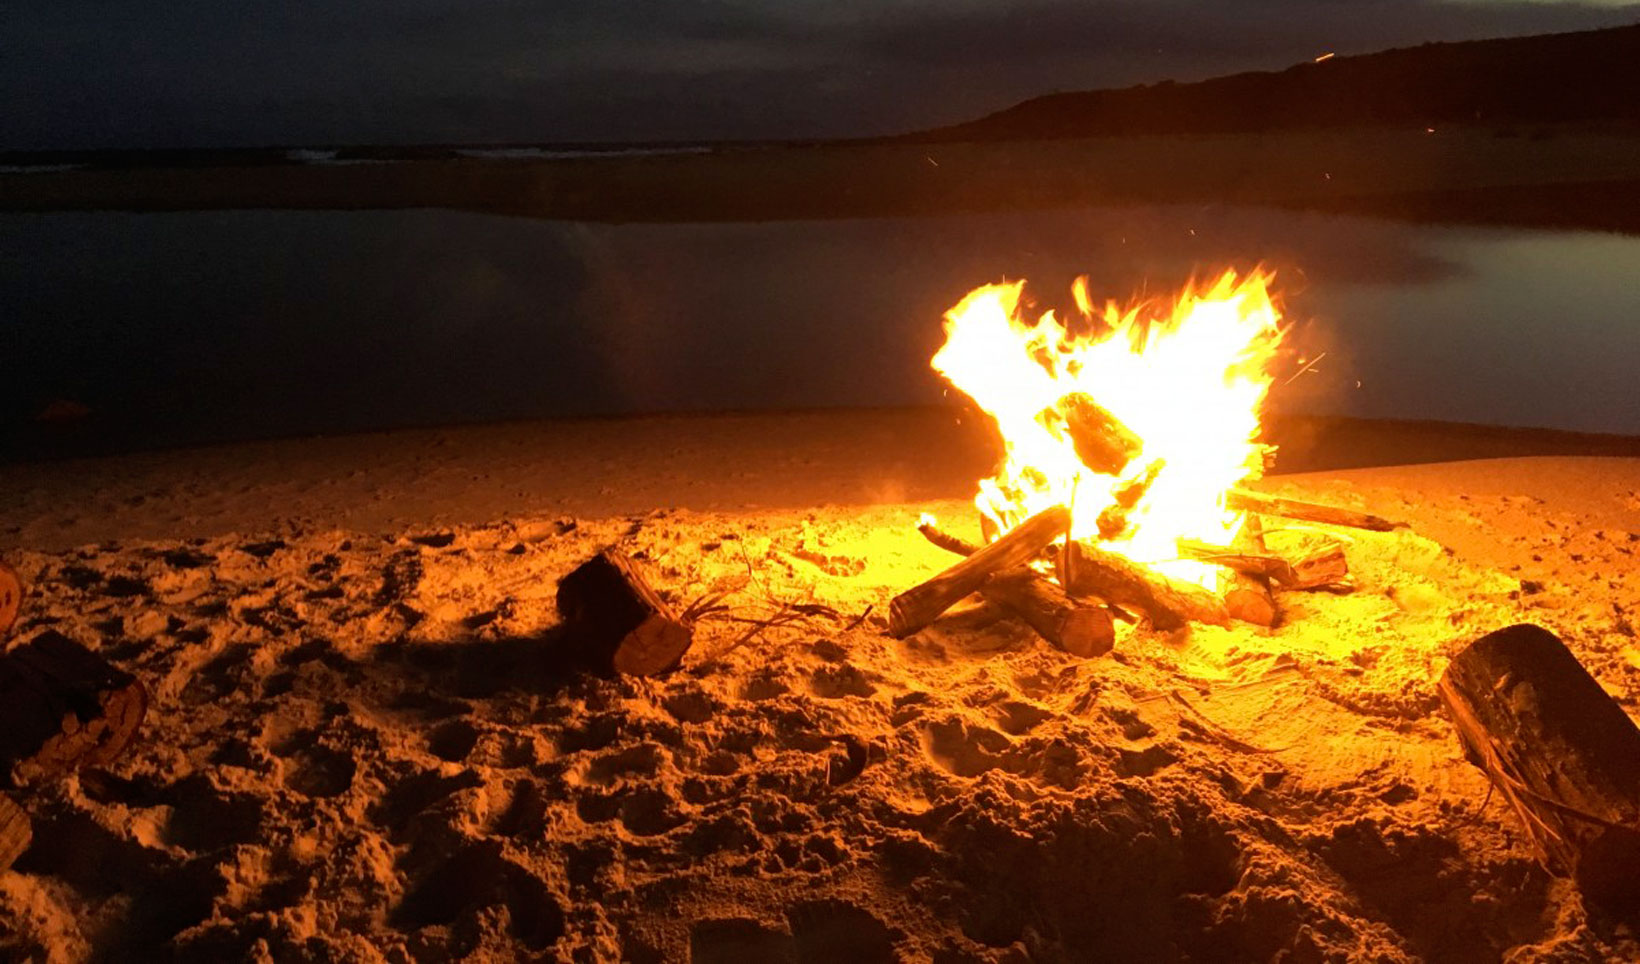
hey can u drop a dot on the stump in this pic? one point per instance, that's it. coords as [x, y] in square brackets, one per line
[624, 624]
[63, 707]
[15, 832]
[1560, 750]
[11, 598]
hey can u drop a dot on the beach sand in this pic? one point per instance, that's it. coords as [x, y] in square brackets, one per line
[363, 744]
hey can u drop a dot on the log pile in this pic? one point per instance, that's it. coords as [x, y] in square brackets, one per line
[1090, 578]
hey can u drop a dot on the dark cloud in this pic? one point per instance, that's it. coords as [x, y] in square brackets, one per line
[88, 73]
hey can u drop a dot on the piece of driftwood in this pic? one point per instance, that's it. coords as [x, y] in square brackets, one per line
[1086, 570]
[1241, 500]
[1080, 630]
[624, 625]
[1559, 749]
[1077, 629]
[922, 604]
[1101, 441]
[11, 598]
[63, 707]
[1323, 566]
[1249, 599]
[945, 540]
[15, 831]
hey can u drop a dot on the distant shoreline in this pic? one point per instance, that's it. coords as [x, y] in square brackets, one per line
[1565, 178]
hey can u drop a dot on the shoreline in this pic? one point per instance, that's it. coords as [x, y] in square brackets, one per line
[599, 468]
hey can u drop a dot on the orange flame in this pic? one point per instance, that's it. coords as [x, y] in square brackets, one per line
[1187, 379]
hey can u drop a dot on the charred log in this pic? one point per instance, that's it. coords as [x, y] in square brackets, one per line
[1085, 631]
[63, 707]
[922, 604]
[619, 619]
[1077, 629]
[1323, 566]
[1560, 750]
[1240, 500]
[1086, 570]
[1250, 600]
[1101, 441]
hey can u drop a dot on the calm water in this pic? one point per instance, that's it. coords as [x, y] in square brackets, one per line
[194, 326]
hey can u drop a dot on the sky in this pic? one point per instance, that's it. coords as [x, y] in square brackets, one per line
[80, 74]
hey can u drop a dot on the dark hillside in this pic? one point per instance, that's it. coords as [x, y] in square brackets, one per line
[1555, 78]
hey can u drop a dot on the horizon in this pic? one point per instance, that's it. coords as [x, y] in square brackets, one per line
[705, 74]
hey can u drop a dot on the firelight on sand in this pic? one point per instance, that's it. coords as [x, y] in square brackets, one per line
[1184, 380]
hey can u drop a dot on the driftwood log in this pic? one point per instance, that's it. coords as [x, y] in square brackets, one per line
[1101, 441]
[625, 626]
[15, 831]
[922, 604]
[1241, 500]
[1323, 566]
[11, 598]
[63, 707]
[1085, 631]
[1080, 630]
[1086, 570]
[1559, 749]
[1249, 599]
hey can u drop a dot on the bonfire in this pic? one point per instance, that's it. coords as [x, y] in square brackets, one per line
[1128, 432]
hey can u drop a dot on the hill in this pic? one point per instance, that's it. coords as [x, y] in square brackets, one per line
[1546, 79]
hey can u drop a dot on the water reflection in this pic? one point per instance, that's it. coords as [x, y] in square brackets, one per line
[194, 326]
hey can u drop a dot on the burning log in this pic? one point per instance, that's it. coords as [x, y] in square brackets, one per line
[1085, 631]
[15, 832]
[1324, 566]
[1241, 500]
[1113, 519]
[63, 707]
[624, 624]
[922, 604]
[1086, 570]
[1560, 749]
[1101, 441]
[11, 597]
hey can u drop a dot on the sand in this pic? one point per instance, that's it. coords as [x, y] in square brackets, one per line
[364, 745]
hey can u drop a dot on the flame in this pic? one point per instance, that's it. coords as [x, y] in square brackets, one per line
[1187, 379]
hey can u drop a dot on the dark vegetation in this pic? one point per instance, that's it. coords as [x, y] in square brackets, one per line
[1552, 79]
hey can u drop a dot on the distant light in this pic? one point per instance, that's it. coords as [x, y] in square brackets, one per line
[1326, 56]
[1429, 130]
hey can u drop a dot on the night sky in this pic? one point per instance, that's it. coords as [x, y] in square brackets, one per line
[205, 73]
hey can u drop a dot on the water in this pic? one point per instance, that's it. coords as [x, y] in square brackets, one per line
[187, 327]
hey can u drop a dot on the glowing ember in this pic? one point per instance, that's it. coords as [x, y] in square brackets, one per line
[1163, 399]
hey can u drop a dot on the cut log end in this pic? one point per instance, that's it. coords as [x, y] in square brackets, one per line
[1250, 600]
[11, 598]
[624, 625]
[63, 707]
[1081, 630]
